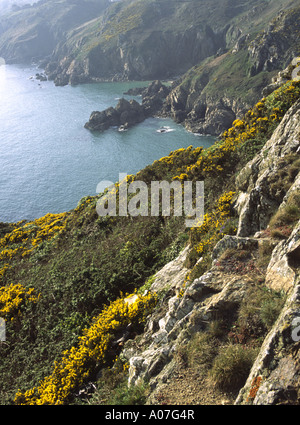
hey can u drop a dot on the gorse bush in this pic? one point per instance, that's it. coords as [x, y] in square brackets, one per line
[13, 298]
[24, 238]
[91, 351]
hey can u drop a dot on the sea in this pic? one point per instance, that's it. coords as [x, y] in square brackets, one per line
[49, 161]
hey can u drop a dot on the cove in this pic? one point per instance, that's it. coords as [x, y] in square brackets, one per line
[49, 161]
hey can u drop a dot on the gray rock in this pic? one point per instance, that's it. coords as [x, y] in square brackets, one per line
[172, 275]
[277, 364]
[128, 113]
[233, 242]
[285, 260]
[256, 204]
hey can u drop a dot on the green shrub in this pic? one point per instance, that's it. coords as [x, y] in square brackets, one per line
[231, 366]
[199, 352]
[113, 389]
[259, 310]
[270, 310]
[287, 215]
[129, 396]
[265, 250]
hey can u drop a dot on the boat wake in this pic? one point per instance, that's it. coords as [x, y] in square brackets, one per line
[165, 129]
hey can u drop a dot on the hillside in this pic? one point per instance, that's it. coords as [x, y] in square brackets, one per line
[128, 310]
[209, 97]
[142, 309]
[9, 5]
[149, 39]
[30, 34]
[130, 39]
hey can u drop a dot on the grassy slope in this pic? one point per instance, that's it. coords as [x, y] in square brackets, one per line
[88, 263]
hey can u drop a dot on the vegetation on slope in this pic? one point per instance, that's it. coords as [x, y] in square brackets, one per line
[62, 274]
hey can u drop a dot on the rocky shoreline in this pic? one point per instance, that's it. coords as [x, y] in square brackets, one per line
[129, 113]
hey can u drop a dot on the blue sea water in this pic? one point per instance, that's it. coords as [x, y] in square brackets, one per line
[49, 161]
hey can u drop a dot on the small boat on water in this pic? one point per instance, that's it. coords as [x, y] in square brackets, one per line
[164, 129]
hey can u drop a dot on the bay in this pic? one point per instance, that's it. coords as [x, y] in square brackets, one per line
[49, 161]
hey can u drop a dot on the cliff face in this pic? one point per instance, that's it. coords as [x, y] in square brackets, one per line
[138, 41]
[210, 97]
[221, 292]
[89, 40]
[147, 40]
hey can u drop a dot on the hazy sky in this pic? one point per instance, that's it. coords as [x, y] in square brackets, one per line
[6, 4]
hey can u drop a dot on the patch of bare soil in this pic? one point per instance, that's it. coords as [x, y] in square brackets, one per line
[186, 386]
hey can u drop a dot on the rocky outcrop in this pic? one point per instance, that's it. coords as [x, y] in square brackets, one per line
[214, 294]
[188, 307]
[153, 98]
[282, 270]
[272, 47]
[259, 199]
[128, 113]
[275, 375]
[200, 112]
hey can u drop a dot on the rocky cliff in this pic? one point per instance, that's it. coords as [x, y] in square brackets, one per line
[211, 96]
[92, 40]
[219, 293]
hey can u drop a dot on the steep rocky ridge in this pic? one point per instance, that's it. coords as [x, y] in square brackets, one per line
[130, 39]
[258, 198]
[218, 294]
[211, 96]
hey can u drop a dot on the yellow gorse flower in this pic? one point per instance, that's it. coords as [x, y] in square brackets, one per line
[12, 299]
[256, 122]
[207, 234]
[77, 363]
[26, 237]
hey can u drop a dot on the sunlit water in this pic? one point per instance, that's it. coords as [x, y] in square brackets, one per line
[49, 161]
